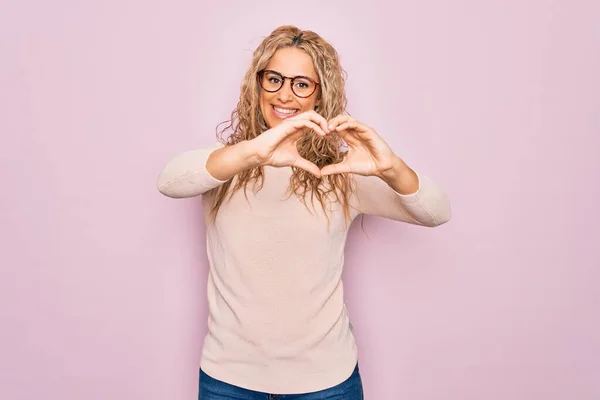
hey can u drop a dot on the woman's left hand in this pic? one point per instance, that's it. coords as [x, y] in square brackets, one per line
[368, 154]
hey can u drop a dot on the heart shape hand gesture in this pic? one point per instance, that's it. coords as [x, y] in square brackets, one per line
[368, 153]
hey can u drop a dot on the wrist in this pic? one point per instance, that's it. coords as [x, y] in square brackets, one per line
[398, 168]
[401, 178]
[248, 153]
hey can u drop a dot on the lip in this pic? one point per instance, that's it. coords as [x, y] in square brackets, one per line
[283, 116]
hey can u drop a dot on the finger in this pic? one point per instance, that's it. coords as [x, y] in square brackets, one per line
[340, 119]
[307, 166]
[352, 125]
[319, 119]
[349, 137]
[314, 117]
[302, 124]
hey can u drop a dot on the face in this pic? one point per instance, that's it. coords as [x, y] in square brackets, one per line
[278, 106]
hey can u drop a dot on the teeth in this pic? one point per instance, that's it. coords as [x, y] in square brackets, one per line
[284, 111]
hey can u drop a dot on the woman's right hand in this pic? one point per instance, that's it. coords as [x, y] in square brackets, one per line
[277, 146]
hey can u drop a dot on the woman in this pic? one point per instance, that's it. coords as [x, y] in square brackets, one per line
[279, 195]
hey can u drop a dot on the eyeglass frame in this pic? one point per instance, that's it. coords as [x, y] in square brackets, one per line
[260, 74]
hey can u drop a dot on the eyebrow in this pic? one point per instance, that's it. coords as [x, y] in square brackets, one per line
[292, 76]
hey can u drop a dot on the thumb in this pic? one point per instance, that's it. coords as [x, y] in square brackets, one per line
[307, 166]
[339, 168]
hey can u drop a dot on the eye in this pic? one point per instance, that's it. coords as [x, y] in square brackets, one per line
[302, 84]
[274, 79]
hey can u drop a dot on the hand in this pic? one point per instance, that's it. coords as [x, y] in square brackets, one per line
[368, 153]
[277, 146]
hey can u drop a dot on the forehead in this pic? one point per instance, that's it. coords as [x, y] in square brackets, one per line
[291, 61]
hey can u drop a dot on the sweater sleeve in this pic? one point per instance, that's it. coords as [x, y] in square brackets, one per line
[185, 175]
[428, 206]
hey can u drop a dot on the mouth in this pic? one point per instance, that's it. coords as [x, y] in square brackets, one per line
[283, 113]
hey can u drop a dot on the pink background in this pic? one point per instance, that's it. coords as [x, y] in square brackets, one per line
[102, 280]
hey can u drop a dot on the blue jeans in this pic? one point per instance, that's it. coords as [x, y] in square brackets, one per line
[213, 389]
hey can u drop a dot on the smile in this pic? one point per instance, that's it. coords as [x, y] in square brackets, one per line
[283, 113]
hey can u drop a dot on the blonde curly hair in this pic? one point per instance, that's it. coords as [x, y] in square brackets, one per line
[247, 121]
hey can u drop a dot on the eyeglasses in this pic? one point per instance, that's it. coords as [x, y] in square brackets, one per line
[272, 81]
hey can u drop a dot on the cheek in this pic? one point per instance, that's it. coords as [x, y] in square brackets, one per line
[308, 104]
[265, 109]
[264, 103]
[263, 100]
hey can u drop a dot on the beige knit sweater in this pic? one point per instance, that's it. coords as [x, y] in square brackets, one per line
[277, 319]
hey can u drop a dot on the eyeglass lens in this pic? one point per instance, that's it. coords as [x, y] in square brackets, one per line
[301, 87]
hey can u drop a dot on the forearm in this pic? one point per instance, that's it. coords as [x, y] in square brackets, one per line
[226, 162]
[414, 199]
[195, 172]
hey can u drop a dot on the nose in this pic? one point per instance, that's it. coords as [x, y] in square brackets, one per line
[285, 94]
